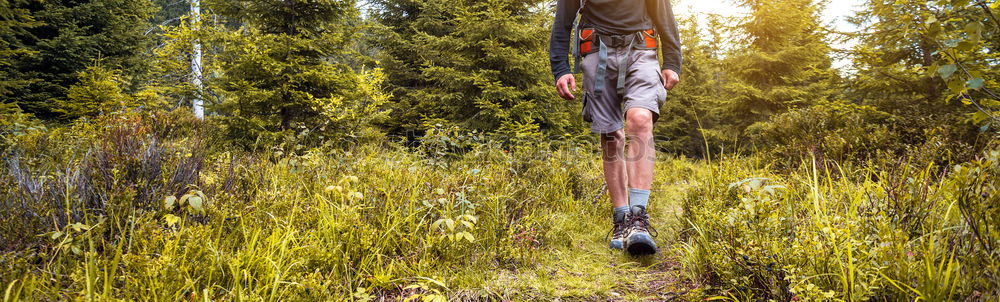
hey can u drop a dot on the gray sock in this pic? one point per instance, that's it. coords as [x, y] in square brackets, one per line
[638, 197]
[620, 212]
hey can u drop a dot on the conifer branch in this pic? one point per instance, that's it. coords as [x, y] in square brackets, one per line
[986, 9]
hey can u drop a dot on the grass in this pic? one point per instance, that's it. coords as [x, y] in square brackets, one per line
[156, 208]
[585, 269]
[829, 232]
[113, 213]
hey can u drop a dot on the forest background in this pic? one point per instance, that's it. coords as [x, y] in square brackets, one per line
[400, 148]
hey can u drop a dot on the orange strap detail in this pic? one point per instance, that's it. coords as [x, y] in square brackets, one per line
[650, 38]
[587, 40]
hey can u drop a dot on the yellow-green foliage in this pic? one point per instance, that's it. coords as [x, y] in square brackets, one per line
[99, 91]
[15, 123]
[275, 225]
[45, 46]
[154, 206]
[838, 130]
[895, 231]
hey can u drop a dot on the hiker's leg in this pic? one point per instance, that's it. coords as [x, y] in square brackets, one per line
[604, 112]
[644, 94]
[615, 175]
[640, 158]
[641, 151]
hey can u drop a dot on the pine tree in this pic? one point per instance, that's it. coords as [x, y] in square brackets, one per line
[691, 109]
[885, 57]
[906, 64]
[785, 63]
[57, 40]
[477, 64]
[283, 70]
[14, 22]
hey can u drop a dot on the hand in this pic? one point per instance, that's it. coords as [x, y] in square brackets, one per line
[670, 79]
[565, 86]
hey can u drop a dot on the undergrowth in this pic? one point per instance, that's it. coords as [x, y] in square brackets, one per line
[886, 231]
[157, 206]
[146, 207]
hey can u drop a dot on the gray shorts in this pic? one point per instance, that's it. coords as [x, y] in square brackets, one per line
[643, 88]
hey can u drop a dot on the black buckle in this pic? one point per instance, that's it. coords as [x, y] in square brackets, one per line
[616, 40]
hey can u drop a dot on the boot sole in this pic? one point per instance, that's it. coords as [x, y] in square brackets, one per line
[641, 246]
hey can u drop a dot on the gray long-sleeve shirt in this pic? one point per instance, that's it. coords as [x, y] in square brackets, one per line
[615, 17]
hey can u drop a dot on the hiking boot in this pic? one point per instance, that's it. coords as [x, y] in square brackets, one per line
[617, 233]
[638, 239]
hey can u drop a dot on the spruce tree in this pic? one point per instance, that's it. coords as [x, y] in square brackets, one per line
[784, 64]
[907, 62]
[690, 111]
[14, 21]
[476, 64]
[283, 70]
[56, 40]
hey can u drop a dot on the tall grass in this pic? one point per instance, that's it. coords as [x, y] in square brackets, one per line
[153, 206]
[146, 212]
[894, 230]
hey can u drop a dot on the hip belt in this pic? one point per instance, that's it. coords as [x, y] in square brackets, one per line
[587, 37]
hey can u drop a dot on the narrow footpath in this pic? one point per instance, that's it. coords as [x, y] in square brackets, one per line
[589, 271]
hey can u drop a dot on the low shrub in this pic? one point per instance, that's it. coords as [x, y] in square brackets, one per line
[892, 233]
[147, 206]
[835, 131]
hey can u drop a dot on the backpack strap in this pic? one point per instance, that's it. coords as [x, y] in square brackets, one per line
[623, 65]
[602, 66]
[576, 37]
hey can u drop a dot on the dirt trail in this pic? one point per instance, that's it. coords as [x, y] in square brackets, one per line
[589, 271]
[663, 279]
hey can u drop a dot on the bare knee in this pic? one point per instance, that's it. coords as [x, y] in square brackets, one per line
[639, 122]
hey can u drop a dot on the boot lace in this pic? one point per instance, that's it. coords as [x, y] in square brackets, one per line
[618, 229]
[640, 223]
